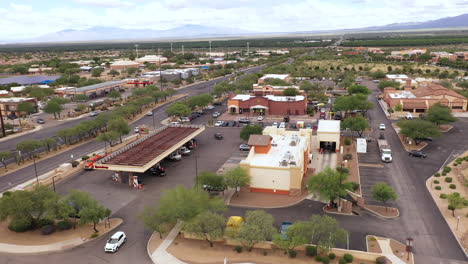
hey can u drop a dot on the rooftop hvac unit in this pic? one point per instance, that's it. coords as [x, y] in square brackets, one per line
[284, 163]
[292, 162]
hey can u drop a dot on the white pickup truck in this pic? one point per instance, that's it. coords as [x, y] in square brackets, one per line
[385, 151]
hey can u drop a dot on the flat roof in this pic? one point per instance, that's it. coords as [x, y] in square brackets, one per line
[26, 80]
[329, 126]
[397, 76]
[97, 86]
[402, 94]
[274, 76]
[144, 153]
[15, 99]
[284, 98]
[242, 97]
[283, 152]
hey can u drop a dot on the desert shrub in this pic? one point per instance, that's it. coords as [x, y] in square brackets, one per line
[45, 222]
[311, 251]
[381, 260]
[238, 249]
[292, 253]
[325, 260]
[465, 202]
[444, 173]
[436, 174]
[348, 258]
[447, 169]
[438, 188]
[20, 225]
[459, 160]
[318, 258]
[354, 186]
[455, 164]
[64, 225]
[443, 196]
[342, 261]
[372, 238]
[75, 163]
[332, 255]
[448, 179]
[452, 186]
[348, 156]
[265, 253]
[84, 157]
[94, 235]
[436, 182]
[47, 229]
[347, 141]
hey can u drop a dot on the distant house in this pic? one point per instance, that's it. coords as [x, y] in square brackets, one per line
[9, 106]
[124, 64]
[261, 90]
[284, 77]
[28, 80]
[154, 59]
[267, 105]
[421, 99]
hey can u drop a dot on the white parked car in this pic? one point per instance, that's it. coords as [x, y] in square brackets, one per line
[210, 107]
[408, 116]
[282, 125]
[175, 123]
[175, 156]
[260, 118]
[216, 114]
[185, 119]
[137, 129]
[219, 123]
[382, 126]
[275, 124]
[184, 151]
[115, 242]
[149, 113]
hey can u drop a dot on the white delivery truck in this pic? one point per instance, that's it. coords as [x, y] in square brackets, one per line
[385, 151]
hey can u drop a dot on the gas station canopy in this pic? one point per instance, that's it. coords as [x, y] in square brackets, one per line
[146, 152]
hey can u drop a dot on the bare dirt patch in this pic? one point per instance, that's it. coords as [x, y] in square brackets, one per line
[381, 210]
[372, 245]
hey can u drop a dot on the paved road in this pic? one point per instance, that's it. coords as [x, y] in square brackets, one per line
[44, 166]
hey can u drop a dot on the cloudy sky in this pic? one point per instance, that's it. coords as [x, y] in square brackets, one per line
[24, 19]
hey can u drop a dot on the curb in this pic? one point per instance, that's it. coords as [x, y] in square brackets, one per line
[43, 249]
[267, 207]
[382, 216]
[37, 128]
[337, 213]
[150, 255]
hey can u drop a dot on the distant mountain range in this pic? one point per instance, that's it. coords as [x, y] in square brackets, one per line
[200, 31]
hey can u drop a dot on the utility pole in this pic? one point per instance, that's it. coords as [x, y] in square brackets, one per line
[160, 75]
[210, 49]
[136, 47]
[183, 50]
[248, 52]
[171, 47]
[3, 125]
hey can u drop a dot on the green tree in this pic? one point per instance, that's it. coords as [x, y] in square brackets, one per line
[200, 100]
[383, 192]
[108, 137]
[257, 227]
[81, 107]
[120, 126]
[387, 83]
[357, 124]
[113, 73]
[211, 179]
[358, 89]
[53, 108]
[178, 109]
[4, 155]
[49, 143]
[155, 221]
[114, 95]
[424, 57]
[236, 178]
[417, 129]
[325, 232]
[29, 146]
[207, 225]
[26, 107]
[81, 97]
[184, 204]
[378, 74]
[456, 201]
[87, 208]
[329, 184]
[351, 103]
[290, 92]
[131, 71]
[293, 237]
[439, 115]
[250, 130]
[96, 72]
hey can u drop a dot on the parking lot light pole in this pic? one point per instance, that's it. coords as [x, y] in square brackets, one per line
[35, 169]
[196, 170]
[409, 246]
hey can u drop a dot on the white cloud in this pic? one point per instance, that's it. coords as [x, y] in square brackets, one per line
[23, 21]
[106, 3]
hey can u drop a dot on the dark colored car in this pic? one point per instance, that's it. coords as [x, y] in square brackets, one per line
[244, 147]
[225, 124]
[158, 170]
[218, 103]
[417, 154]
[231, 124]
[40, 121]
[196, 114]
[218, 136]
[338, 117]
[286, 119]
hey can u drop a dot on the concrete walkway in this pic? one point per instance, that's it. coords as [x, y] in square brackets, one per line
[59, 246]
[15, 135]
[160, 255]
[388, 252]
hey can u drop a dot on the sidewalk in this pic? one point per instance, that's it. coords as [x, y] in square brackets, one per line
[385, 246]
[20, 134]
[263, 200]
[160, 255]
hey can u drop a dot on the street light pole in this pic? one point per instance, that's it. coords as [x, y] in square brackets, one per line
[35, 169]
[196, 170]
[409, 247]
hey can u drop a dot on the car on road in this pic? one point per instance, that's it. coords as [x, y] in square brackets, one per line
[184, 151]
[219, 123]
[40, 121]
[150, 113]
[175, 156]
[382, 127]
[275, 124]
[244, 147]
[284, 228]
[216, 114]
[376, 81]
[209, 107]
[115, 242]
[260, 118]
[218, 136]
[136, 129]
[184, 119]
[244, 120]
[408, 116]
[282, 125]
[417, 154]
[158, 170]
[175, 123]
[93, 113]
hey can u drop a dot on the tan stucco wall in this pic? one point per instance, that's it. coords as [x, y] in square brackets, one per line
[328, 137]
